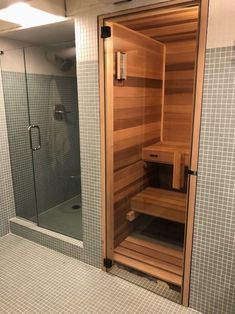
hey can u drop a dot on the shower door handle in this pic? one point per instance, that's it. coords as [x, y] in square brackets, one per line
[30, 137]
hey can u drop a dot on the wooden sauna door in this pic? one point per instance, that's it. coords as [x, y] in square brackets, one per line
[133, 121]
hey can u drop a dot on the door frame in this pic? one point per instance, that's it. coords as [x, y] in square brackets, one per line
[106, 176]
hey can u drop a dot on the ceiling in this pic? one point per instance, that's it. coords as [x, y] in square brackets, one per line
[44, 35]
[166, 25]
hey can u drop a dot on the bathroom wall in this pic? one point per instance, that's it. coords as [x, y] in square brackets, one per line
[7, 206]
[213, 259]
[57, 164]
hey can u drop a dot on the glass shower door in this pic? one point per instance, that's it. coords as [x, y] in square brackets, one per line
[41, 108]
[54, 138]
[17, 116]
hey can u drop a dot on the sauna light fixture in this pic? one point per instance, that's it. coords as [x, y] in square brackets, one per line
[121, 65]
[26, 16]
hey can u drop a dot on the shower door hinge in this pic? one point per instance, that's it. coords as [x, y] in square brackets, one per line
[108, 263]
[105, 31]
[192, 172]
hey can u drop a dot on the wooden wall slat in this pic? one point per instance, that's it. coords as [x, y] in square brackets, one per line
[177, 38]
[171, 30]
[179, 84]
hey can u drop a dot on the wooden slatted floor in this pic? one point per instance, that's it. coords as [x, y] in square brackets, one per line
[161, 203]
[156, 260]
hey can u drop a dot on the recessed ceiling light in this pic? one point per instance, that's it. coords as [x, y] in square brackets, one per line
[27, 16]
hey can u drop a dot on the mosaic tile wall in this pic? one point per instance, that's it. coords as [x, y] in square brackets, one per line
[57, 163]
[7, 205]
[89, 121]
[16, 108]
[213, 260]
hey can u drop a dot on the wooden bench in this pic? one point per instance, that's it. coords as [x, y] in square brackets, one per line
[176, 154]
[161, 203]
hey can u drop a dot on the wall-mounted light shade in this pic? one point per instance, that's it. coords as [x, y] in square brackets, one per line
[26, 16]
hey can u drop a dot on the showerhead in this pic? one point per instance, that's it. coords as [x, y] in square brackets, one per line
[63, 58]
[66, 64]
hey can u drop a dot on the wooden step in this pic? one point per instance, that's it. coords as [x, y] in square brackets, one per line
[162, 252]
[156, 260]
[165, 204]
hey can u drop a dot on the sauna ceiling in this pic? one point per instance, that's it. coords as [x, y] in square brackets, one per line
[166, 26]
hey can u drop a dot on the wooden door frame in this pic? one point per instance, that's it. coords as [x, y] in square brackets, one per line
[198, 93]
[106, 177]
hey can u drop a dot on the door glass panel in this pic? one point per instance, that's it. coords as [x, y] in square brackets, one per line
[17, 116]
[53, 108]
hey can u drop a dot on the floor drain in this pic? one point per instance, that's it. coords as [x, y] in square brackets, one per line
[76, 206]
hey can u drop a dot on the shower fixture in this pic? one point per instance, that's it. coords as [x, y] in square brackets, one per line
[64, 58]
[60, 112]
[66, 65]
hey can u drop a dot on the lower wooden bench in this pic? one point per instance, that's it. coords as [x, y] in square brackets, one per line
[161, 203]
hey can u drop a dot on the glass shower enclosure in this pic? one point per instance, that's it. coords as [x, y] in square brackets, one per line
[40, 95]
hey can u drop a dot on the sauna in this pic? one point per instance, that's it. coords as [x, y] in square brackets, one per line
[150, 71]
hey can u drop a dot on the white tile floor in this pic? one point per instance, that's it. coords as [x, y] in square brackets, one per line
[35, 279]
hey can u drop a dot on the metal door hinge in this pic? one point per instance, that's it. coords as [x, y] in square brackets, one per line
[108, 263]
[105, 31]
[192, 172]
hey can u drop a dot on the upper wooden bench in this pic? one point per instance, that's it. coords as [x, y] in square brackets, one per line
[176, 154]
